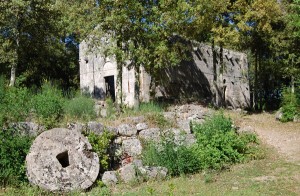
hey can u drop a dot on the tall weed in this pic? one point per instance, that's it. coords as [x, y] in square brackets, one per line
[48, 105]
[80, 107]
[178, 159]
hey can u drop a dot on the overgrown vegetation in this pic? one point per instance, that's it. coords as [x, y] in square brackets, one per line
[48, 105]
[217, 146]
[14, 104]
[80, 107]
[13, 149]
[290, 105]
[101, 145]
[178, 159]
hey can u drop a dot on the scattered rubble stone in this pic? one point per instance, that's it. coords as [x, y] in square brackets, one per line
[154, 173]
[62, 160]
[28, 128]
[127, 130]
[296, 118]
[246, 129]
[95, 127]
[77, 127]
[152, 134]
[128, 173]
[109, 178]
[141, 126]
[279, 114]
[132, 147]
[136, 170]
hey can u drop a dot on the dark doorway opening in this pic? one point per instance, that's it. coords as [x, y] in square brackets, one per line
[63, 159]
[110, 87]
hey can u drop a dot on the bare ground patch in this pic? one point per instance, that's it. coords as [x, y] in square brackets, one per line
[284, 137]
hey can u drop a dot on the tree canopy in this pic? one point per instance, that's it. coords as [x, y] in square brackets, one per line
[39, 39]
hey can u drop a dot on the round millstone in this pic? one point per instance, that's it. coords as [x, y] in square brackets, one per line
[62, 160]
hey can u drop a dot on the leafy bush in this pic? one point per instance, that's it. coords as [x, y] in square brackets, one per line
[13, 150]
[290, 105]
[100, 145]
[48, 105]
[14, 104]
[80, 107]
[178, 159]
[219, 145]
[215, 124]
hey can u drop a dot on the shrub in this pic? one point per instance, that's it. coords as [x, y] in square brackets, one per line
[48, 105]
[218, 144]
[290, 105]
[13, 150]
[15, 104]
[178, 159]
[80, 107]
[100, 145]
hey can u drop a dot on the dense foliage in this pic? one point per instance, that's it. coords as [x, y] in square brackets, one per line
[39, 39]
[101, 145]
[178, 159]
[290, 105]
[47, 106]
[217, 146]
[13, 150]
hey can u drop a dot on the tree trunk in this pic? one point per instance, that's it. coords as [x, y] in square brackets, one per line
[119, 83]
[12, 75]
[14, 65]
[152, 84]
[222, 70]
[137, 87]
[293, 84]
[260, 78]
[255, 106]
[215, 81]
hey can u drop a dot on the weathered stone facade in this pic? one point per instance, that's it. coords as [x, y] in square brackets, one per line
[98, 76]
[202, 77]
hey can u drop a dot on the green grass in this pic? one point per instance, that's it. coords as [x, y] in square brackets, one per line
[242, 179]
[144, 108]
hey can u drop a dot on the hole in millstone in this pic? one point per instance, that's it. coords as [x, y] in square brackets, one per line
[63, 159]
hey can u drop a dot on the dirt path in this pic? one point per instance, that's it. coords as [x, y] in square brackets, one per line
[284, 137]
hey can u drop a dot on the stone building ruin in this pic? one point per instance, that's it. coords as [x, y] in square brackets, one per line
[201, 78]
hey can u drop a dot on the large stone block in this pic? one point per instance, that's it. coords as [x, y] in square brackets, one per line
[132, 147]
[127, 130]
[62, 160]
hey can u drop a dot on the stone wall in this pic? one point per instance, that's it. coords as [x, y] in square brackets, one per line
[195, 78]
[95, 67]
